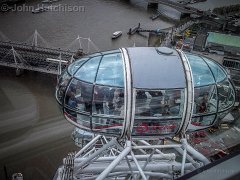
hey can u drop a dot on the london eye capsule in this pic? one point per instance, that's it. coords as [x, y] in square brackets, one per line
[144, 92]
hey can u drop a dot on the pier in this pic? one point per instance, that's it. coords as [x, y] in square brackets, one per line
[180, 7]
[138, 29]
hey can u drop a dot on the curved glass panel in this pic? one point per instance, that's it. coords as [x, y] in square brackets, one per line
[85, 97]
[79, 96]
[95, 54]
[62, 84]
[88, 71]
[203, 120]
[218, 72]
[205, 100]
[99, 100]
[83, 121]
[201, 72]
[226, 95]
[70, 97]
[146, 127]
[108, 100]
[107, 125]
[111, 70]
[72, 68]
[64, 76]
[71, 115]
[222, 115]
[111, 51]
[159, 103]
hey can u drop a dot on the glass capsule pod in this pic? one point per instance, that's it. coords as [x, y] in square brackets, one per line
[144, 92]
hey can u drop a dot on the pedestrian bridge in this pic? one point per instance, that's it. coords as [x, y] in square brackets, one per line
[37, 56]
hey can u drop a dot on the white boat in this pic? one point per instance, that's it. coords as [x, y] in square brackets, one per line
[116, 34]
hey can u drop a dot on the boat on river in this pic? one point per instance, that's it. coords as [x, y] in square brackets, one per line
[116, 34]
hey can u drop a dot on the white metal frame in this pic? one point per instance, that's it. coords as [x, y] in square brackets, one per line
[124, 157]
[137, 159]
[189, 93]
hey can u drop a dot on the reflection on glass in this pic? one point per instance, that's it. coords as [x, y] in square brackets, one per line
[62, 84]
[118, 102]
[72, 68]
[218, 72]
[108, 100]
[155, 127]
[159, 103]
[85, 97]
[72, 115]
[79, 96]
[205, 100]
[111, 70]
[99, 99]
[107, 125]
[143, 100]
[223, 114]
[203, 120]
[111, 51]
[70, 98]
[226, 95]
[201, 72]
[83, 120]
[88, 71]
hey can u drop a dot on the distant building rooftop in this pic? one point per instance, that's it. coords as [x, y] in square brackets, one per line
[223, 39]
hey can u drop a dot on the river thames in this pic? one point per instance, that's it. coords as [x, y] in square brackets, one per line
[34, 137]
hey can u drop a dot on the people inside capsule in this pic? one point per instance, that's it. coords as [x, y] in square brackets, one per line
[98, 99]
[118, 102]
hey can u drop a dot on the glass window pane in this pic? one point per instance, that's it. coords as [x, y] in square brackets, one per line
[99, 100]
[159, 103]
[79, 96]
[143, 99]
[201, 72]
[70, 98]
[85, 97]
[95, 54]
[72, 68]
[88, 71]
[82, 120]
[218, 72]
[155, 127]
[111, 70]
[111, 51]
[203, 120]
[108, 100]
[205, 100]
[62, 84]
[107, 125]
[226, 95]
[70, 114]
[222, 115]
